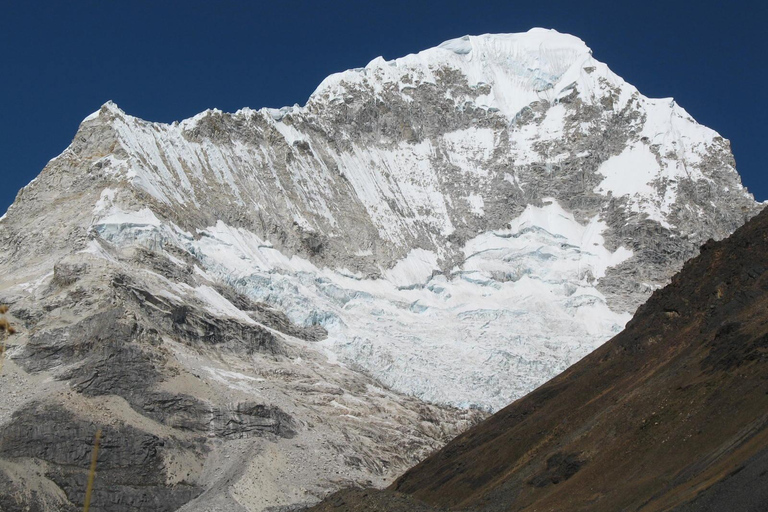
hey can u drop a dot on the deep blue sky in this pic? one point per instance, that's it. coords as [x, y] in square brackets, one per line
[166, 61]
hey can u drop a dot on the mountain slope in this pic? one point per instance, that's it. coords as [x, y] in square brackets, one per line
[671, 414]
[261, 307]
[509, 191]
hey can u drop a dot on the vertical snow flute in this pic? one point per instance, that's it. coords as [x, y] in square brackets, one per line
[92, 472]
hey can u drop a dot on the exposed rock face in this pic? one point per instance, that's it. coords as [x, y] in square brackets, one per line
[229, 407]
[254, 291]
[131, 466]
[668, 415]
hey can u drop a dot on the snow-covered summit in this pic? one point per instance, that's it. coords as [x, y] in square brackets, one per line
[519, 68]
[533, 41]
[109, 107]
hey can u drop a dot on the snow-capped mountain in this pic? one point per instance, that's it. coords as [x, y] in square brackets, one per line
[460, 225]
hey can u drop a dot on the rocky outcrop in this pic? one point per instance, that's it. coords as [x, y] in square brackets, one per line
[131, 464]
[189, 391]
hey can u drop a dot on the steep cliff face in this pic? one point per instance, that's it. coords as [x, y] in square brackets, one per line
[457, 225]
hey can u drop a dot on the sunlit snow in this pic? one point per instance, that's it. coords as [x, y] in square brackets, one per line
[520, 308]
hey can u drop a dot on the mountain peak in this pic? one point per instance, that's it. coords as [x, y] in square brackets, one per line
[535, 40]
[519, 68]
[109, 109]
[423, 173]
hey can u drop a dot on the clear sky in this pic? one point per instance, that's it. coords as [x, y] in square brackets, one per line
[167, 60]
